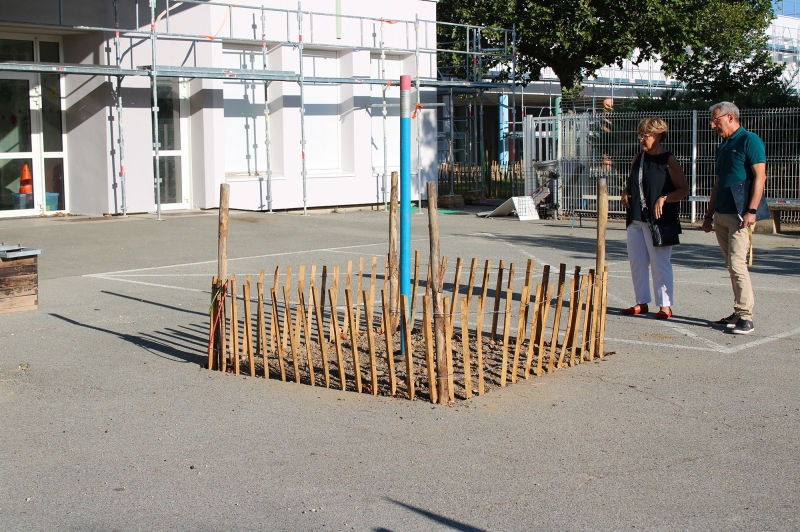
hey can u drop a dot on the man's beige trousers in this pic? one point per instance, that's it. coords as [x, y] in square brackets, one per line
[735, 244]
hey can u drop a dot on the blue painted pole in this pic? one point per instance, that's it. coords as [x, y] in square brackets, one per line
[502, 141]
[406, 108]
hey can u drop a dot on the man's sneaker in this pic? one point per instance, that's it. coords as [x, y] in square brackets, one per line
[743, 327]
[728, 322]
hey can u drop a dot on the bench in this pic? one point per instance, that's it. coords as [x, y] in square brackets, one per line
[580, 213]
[777, 206]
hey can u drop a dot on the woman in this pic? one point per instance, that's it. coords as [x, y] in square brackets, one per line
[663, 185]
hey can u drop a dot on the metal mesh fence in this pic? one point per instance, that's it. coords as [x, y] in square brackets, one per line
[591, 145]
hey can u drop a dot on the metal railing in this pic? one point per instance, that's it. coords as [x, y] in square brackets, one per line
[593, 145]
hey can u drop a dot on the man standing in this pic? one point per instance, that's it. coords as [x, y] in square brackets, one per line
[740, 157]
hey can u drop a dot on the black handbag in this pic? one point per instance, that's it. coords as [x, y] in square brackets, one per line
[663, 234]
[666, 234]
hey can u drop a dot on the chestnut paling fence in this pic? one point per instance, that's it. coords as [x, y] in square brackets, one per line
[383, 344]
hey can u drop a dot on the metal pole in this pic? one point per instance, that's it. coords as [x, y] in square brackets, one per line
[383, 99]
[418, 109]
[302, 102]
[405, 187]
[693, 215]
[266, 110]
[120, 138]
[153, 82]
[452, 141]
[483, 150]
[514, 94]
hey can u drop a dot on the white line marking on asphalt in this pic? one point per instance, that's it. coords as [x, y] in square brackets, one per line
[657, 344]
[761, 341]
[97, 276]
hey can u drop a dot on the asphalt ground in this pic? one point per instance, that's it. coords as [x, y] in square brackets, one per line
[115, 425]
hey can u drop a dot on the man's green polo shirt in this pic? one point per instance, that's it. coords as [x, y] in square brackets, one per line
[736, 156]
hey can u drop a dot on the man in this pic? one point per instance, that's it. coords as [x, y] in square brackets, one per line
[740, 157]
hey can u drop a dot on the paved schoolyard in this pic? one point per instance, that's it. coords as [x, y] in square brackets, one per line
[116, 426]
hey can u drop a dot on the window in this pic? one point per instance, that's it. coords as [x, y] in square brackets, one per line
[392, 67]
[322, 113]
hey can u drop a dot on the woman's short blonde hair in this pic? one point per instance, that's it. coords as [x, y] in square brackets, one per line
[654, 126]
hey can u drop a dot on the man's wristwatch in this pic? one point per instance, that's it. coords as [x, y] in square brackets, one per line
[752, 211]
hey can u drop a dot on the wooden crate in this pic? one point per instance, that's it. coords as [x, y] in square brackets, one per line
[19, 284]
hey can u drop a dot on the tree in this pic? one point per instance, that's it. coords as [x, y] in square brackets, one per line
[716, 44]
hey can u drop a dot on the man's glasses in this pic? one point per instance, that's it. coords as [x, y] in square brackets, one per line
[717, 119]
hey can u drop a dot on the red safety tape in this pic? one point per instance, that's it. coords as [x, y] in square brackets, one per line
[418, 106]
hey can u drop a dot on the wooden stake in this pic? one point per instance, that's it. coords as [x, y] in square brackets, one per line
[408, 345]
[273, 336]
[358, 291]
[602, 222]
[465, 347]
[302, 316]
[337, 341]
[506, 330]
[479, 343]
[522, 321]
[587, 315]
[222, 237]
[373, 278]
[414, 287]
[487, 266]
[290, 332]
[427, 332]
[322, 293]
[248, 328]
[261, 340]
[573, 296]
[529, 284]
[451, 387]
[596, 305]
[562, 274]
[534, 323]
[435, 278]
[545, 283]
[373, 363]
[497, 296]
[428, 282]
[471, 280]
[301, 281]
[387, 334]
[543, 320]
[211, 328]
[456, 290]
[333, 296]
[234, 326]
[222, 337]
[278, 350]
[348, 313]
[323, 345]
[601, 331]
[392, 269]
[573, 314]
[578, 320]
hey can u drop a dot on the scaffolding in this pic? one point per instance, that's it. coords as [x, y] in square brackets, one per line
[473, 82]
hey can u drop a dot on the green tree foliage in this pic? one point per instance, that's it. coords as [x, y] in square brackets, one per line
[715, 47]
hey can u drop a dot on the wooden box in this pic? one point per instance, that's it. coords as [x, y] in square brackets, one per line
[19, 279]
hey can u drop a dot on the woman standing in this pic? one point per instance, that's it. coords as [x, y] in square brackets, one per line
[655, 186]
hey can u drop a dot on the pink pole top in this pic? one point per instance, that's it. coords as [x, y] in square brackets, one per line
[405, 82]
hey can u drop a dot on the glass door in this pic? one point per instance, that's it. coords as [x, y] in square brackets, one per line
[173, 140]
[20, 166]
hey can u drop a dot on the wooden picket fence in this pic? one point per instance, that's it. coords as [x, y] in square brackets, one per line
[297, 333]
[500, 183]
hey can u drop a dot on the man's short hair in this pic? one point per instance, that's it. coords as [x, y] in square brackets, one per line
[726, 108]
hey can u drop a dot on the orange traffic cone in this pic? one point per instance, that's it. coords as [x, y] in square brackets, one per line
[26, 181]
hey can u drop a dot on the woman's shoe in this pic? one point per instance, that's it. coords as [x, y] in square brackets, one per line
[661, 315]
[636, 309]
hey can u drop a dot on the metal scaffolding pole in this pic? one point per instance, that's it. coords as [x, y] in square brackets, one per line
[302, 102]
[153, 82]
[266, 110]
[418, 109]
[452, 141]
[118, 100]
[383, 100]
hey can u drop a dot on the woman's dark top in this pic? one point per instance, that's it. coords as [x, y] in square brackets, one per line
[657, 182]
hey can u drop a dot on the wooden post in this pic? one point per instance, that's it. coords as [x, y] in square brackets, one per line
[323, 345]
[465, 347]
[278, 349]
[212, 324]
[573, 312]
[578, 320]
[602, 222]
[522, 321]
[301, 280]
[479, 342]
[222, 338]
[534, 325]
[261, 334]
[409, 346]
[303, 317]
[248, 328]
[337, 341]
[601, 329]
[373, 365]
[234, 327]
[353, 337]
[456, 290]
[596, 304]
[358, 291]
[545, 284]
[222, 238]
[394, 251]
[273, 336]
[471, 280]
[528, 283]
[587, 315]
[562, 274]
[487, 266]
[573, 291]
[543, 321]
[448, 344]
[414, 286]
[373, 278]
[333, 296]
[289, 330]
[427, 332]
[387, 334]
[436, 291]
[506, 330]
[322, 293]
[497, 291]
[285, 330]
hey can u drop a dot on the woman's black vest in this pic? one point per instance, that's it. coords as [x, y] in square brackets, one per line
[657, 183]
